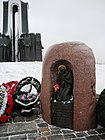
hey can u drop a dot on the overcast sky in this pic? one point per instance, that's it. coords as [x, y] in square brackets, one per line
[68, 20]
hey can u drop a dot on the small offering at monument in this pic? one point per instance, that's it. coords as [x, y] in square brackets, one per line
[27, 95]
[6, 100]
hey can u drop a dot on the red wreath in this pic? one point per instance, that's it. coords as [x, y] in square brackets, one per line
[10, 88]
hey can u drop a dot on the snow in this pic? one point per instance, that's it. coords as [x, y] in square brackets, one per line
[15, 71]
[11, 71]
[100, 78]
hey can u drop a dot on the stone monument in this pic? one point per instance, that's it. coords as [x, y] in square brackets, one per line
[81, 109]
[15, 27]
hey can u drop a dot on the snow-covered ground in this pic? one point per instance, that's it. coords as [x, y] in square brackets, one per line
[12, 71]
[100, 78]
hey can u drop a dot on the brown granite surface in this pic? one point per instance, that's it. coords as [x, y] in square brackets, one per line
[80, 59]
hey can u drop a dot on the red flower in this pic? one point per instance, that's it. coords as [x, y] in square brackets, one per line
[10, 100]
[56, 87]
[10, 104]
[4, 118]
[9, 109]
[10, 88]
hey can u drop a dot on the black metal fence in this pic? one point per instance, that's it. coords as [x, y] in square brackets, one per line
[62, 114]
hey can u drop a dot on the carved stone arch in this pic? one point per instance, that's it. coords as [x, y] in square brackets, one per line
[54, 70]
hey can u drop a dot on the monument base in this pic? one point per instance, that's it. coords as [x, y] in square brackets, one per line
[62, 113]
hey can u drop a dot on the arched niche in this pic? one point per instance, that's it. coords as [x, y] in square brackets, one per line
[54, 70]
[62, 99]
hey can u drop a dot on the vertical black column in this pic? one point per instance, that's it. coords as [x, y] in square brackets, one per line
[5, 17]
[38, 47]
[24, 17]
[15, 9]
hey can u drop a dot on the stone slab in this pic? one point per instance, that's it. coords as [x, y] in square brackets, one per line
[19, 128]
